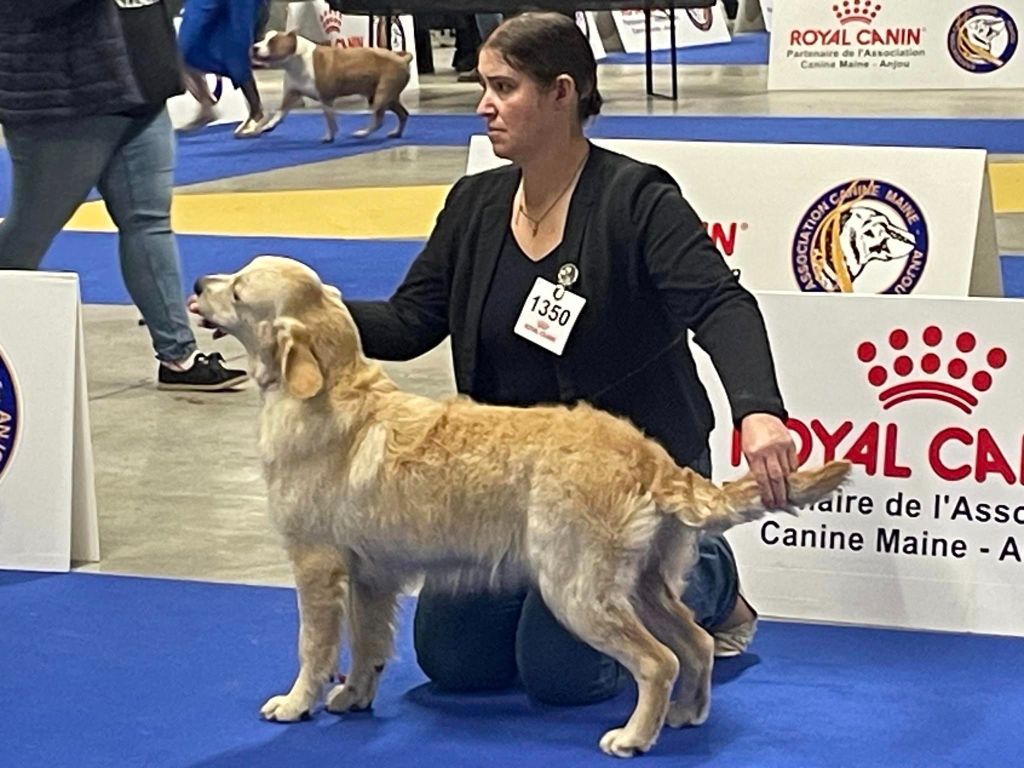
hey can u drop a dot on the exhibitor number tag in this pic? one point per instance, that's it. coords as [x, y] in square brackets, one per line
[548, 315]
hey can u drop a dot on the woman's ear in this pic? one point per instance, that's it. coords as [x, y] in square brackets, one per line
[565, 91]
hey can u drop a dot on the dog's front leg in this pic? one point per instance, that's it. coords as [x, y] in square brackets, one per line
[321, 580]
[371, 623]
[332, 123]
[291, 100]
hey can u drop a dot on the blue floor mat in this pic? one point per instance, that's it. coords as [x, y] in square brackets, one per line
[213, 153]
[361, 268]
[111, 672]
[749, 48]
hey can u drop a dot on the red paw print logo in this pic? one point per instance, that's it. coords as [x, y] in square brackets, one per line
[331, 22]
[956, 372]
[856, 11]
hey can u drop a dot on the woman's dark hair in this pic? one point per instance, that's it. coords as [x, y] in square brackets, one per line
[546, 45]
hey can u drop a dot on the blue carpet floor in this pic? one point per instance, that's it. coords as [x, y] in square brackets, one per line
[361, 268]
[214, 154]
[115, 672]
[750, 48]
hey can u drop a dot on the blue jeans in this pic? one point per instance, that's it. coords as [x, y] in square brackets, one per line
[484, 642]
[131, 161]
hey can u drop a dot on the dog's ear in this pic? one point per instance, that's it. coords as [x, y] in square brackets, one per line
[300, 371]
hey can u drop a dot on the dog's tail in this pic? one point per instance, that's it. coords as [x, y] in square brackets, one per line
[698, 503]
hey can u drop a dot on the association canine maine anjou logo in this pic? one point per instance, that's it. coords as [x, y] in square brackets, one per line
[982, 39]
[864, 236]
[8, 413]
[951, 368]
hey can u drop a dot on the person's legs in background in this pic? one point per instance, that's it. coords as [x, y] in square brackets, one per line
[137, 189]
[485, 24]
[467, 642]
[55, 165]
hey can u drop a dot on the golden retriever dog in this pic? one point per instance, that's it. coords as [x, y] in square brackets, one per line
[372, 487]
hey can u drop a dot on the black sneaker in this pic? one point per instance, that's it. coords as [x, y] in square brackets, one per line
[207, 374]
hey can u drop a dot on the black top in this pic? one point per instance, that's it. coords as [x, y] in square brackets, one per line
[152, 50]
[512, 370]
[649, 273]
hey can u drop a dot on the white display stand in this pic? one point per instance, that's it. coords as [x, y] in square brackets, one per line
[47, 491]
[694, 26]
[821, 218]
[315, 20]
[923, 396]
[885, 44]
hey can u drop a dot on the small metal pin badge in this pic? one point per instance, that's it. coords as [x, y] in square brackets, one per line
[568, 274]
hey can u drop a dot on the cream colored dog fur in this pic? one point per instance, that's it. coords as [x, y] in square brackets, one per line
[371, 487]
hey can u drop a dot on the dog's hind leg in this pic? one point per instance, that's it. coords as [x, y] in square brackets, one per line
[321, 579]
[371, 623]
[403, 115]
[379, 103]
[672, 622]
[593, 606]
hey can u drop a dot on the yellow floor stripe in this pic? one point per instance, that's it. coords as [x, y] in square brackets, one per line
[1007, 187]
[377, 212]
[384, 212]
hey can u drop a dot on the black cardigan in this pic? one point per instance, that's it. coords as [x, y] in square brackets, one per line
[649, 273]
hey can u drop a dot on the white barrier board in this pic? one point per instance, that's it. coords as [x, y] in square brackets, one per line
[894, 44]
[47, 492]
[316, 20]
[694, 26]
[833, 218]
[922, 395]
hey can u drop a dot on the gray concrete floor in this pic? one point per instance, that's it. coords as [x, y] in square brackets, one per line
[177, 480]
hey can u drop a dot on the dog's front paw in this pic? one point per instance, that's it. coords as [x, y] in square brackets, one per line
[619, 742]
[327, 138]
[348, 698]
[284, 709]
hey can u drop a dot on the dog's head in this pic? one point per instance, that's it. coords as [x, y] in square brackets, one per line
[982, 30]
[867, 235]
[275, 49]
[296, 330]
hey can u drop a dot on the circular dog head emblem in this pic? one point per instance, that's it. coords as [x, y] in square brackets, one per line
[982, 38]
[864, 236]
[702, 18]
[8, 414]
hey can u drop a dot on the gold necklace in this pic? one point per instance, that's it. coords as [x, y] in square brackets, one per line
[535, 223]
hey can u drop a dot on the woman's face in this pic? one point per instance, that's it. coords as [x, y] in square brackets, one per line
[520, 114]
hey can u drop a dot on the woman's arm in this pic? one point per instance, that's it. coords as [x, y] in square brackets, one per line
[415, 319]
[704, 295]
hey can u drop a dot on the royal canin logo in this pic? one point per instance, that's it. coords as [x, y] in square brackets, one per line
[855, 11]
[331, 22]
[861, 13]
[930, 370]
[932, 365]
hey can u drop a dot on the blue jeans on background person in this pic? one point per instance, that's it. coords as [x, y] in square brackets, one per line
[487, 642]
[57, 163]
[487, 23]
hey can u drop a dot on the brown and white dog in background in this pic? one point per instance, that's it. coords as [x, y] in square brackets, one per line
[326, 73]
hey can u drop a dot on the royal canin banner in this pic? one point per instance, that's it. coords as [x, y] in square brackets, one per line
[922, 396]
[832, 219]
[893, 44]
